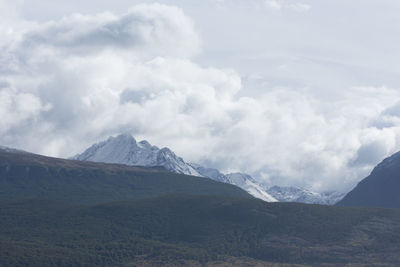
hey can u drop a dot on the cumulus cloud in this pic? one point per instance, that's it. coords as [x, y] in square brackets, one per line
[18, 108]
[151, 30]
[65, 84]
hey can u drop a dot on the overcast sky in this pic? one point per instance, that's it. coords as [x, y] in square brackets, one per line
[293, 92]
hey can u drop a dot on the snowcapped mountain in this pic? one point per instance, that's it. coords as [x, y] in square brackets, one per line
[241, 180]
[248, 183]
[124, 149]
[211, 173]
[301, 195]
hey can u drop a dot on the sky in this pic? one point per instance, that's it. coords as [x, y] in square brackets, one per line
[293, 92]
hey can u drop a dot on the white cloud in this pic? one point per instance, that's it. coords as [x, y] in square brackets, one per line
[284, 4]
[274, 4]
[18, 108]
[299, 7]
[75, 81]
[148, 29]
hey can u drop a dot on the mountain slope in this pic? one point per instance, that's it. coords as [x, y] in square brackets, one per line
[25, 175]
[54, 213]
[211, 173]
[241, 180]
[380, 189]
[250, 185]
[123, 149]
[301, 195]
[196, 231]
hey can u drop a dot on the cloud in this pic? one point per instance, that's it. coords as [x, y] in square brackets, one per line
[282, 5]
[299, 7]
[91, 69]
[18, 108]
[273, 4]
[67, 83]
[150, 29]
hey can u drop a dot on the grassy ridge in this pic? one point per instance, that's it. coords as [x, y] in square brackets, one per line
[24, 175]
[195, 230]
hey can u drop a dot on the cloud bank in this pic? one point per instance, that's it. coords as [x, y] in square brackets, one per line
[67, 83]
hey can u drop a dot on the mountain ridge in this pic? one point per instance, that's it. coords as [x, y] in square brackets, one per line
[380, 188]
[118, 215]
[27, 175]
[301, 195]
[124, 149]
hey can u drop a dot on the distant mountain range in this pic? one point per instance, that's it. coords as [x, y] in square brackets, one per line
[380, 189]
[28, 176]
[301, 195]
[124, 149]
[79, 213]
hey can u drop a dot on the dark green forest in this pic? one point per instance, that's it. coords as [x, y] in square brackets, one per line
[57, 212]
[178, 228]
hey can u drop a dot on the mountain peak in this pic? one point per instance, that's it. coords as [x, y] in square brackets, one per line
[238, 176]
[113, 150]
[145, 144]
[166, 150]
[124, 137]
[123, 149]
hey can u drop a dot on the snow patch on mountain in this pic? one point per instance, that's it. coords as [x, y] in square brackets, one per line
[301, 195]
[248, 183]
[211, 173]
[123, 149]
[241, 180]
